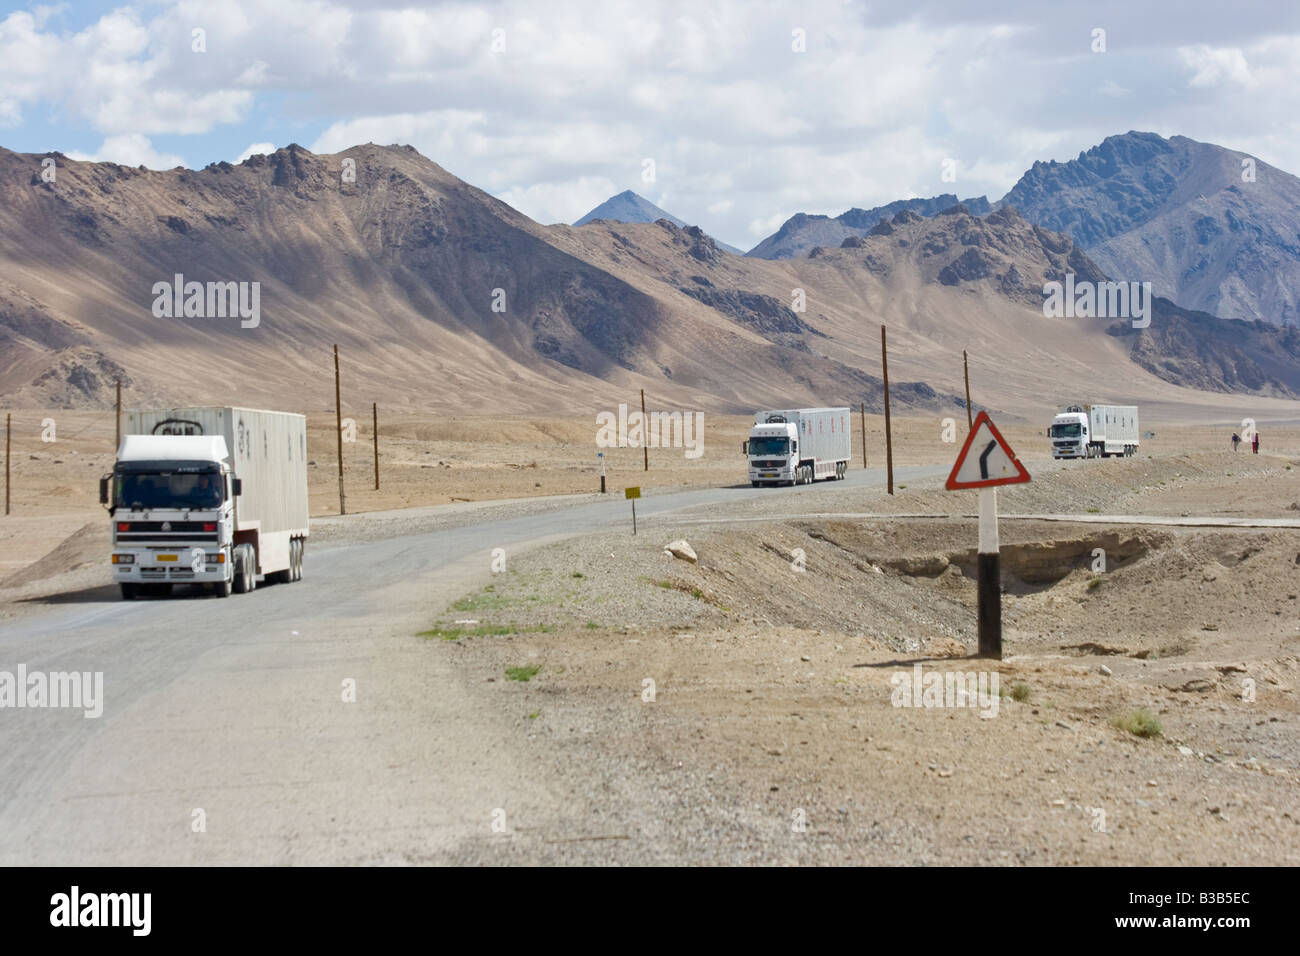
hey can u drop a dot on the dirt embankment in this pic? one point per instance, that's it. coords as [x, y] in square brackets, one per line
[757, 687]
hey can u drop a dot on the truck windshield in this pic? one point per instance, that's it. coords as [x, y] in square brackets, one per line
[1069, 430]
[769, 446]
[148, 490]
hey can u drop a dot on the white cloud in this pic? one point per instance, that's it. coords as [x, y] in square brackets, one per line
[560, 201]
[744, 131]
[1213, 67]
[132, 149]
[256, 149]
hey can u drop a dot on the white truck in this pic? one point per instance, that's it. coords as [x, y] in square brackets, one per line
[209, 496]
[798, 445]
[1095, 431]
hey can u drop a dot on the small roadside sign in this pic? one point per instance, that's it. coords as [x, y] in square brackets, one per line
[631, 492]
[986, 460]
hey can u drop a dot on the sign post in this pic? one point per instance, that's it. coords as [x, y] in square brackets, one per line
[985, 462]
[601, 456]
[632, 494]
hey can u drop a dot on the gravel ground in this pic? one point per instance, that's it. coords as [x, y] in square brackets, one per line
[772, 738]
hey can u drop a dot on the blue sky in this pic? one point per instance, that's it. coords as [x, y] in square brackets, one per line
[749, 111]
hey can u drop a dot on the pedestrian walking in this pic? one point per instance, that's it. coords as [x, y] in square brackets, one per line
[1236, 440]
[1255, 443]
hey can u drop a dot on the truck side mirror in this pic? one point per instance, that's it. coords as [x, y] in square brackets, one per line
[103, 491]
[236, 486]
[744, 448]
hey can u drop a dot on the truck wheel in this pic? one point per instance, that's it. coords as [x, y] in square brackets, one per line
[245, 573]
[754, 483]
[221, 589]
[298, 553]
[128, 592]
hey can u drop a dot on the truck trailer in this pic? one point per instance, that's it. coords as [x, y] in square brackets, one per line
[213, 496]
[1095, 431]
[798, 445]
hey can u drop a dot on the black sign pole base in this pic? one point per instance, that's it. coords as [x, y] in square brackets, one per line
[989, 585]
[990, 606]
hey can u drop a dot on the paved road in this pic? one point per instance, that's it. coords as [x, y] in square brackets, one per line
[225, 736]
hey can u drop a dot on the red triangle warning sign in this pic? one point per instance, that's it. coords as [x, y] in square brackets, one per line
[986, 459]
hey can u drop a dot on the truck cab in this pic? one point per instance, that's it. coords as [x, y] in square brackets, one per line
[172, 501]
[1069, 434]
[773, 450]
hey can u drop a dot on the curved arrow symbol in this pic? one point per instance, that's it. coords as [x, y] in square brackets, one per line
[984, 460]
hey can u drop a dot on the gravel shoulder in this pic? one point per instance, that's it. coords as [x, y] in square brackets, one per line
[771, 734]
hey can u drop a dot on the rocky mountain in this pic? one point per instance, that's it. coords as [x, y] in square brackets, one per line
[627, 206]
[1204, 352]
[1211, 228]
[231, 284]
[802, 233]
[438, 295]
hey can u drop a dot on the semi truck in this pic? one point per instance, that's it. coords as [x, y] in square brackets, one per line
[213, 496]
[1095, 431]
[798, 446]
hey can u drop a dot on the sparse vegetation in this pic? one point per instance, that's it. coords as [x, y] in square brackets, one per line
[454, 633]
[1020, 693]
[1140, 723]
[1094, 583]
[523, 674]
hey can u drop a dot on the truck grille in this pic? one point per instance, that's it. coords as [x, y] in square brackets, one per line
[768, 464]
[158, 539]
[173, 527]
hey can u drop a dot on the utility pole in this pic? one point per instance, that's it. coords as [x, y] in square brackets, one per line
[338, 430]
[374, 408]
[966, 371]
[889, 435]
[863, 406]
[117, 435]
[9, 421]
[645, 441]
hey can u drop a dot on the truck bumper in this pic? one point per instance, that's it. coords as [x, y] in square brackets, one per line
[152, 567]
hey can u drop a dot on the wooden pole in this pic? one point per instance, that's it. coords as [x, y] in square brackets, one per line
[863, 406]
[889, 435]
[645, 440]
[966, 371]
[338, 421]
[374, 408]
[117, 434]
[9, 420]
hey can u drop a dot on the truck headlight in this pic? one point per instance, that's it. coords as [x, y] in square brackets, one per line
[124, 559]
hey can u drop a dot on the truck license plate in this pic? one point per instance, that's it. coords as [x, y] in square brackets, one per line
[767, 474]
[166, 557]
